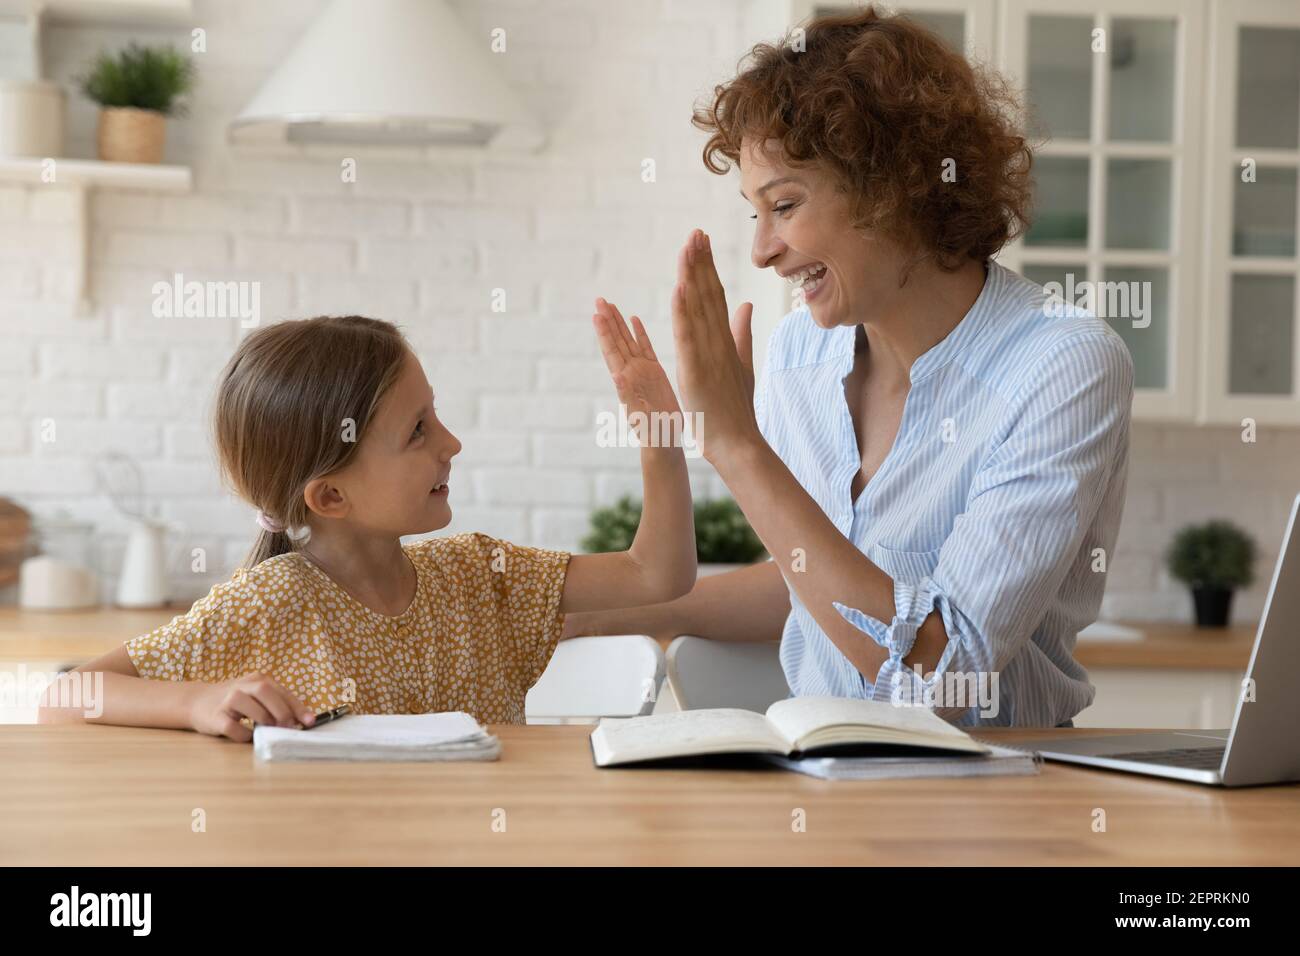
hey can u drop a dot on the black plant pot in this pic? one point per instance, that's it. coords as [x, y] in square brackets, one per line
[1212, 606]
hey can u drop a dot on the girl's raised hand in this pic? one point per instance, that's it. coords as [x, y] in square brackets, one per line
[639, 379]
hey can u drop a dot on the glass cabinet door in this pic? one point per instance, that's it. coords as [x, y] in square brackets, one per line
[966, 25]
[1105, 87]
[1252, 362]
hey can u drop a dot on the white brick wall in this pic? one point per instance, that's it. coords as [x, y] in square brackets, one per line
[1183, 474]
[422, 242]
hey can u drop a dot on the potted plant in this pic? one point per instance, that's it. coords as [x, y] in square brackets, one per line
[137, 89]
[1212, 559]
[723, 538]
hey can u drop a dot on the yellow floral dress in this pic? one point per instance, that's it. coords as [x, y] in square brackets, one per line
[481, 629]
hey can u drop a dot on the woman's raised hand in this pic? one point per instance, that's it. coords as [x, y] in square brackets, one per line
[715, 359]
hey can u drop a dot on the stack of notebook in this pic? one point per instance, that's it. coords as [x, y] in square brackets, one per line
[829, 737]
[998, 762]
[398, 737]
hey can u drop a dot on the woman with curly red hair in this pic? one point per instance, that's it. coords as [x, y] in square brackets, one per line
[934, 458]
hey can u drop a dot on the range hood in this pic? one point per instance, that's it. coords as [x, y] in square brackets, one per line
[388, 73]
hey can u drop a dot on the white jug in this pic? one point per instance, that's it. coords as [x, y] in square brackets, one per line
[143, 582]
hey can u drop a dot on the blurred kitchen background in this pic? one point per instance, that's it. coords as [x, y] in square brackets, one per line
[580, 175]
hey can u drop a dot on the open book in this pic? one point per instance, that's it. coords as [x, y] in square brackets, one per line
[400, 737]
[796, 726]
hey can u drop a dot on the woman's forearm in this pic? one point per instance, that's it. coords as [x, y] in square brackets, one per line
[664, 546]
[105, 697]
[748, 604]
[821, 564]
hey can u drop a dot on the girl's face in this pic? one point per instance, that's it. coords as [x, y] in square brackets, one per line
[398, 482]
[802, 223]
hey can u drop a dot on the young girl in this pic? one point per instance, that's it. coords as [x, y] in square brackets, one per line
[328, 427]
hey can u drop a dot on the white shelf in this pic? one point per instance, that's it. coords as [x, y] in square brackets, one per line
[95, 173]
[83, 176]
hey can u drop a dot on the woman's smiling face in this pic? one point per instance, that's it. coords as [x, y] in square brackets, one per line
[803, 227]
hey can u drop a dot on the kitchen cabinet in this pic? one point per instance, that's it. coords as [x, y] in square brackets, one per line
[1117, 205]
[1251, 363]
[1178, 698]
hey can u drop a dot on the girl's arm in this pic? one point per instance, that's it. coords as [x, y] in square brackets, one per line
[748, 604]
[660, 565]
[126, 699]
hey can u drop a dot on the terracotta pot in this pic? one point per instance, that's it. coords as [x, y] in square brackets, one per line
[129, 135]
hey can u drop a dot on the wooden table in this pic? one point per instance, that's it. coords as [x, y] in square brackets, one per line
[95, 795]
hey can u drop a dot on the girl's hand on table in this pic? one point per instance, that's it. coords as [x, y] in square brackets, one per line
[221, 710]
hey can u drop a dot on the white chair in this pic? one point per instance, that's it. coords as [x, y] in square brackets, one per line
[745, 674]
[594, 677]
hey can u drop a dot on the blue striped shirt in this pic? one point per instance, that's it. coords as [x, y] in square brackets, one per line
[998, 505]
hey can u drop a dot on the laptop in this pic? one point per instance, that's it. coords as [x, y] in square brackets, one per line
[1262, 745]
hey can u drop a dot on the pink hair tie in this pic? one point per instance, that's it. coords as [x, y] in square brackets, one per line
[268, 523]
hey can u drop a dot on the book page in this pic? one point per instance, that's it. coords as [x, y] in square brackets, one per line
[798, 718]
[682, 734]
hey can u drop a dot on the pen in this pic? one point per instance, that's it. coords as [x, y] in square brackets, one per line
[323, 717]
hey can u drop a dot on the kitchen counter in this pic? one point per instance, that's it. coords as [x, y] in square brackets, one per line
[1169, 644]
[1174, 676]
[74, 637]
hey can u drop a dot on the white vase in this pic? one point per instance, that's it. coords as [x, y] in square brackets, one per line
[31, 118]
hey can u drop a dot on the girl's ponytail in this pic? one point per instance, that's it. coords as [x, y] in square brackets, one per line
[274, 539]
[268, 545]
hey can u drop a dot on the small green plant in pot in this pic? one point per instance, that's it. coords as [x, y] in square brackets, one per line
[137, 89]
[1212, 559]
[722, 534]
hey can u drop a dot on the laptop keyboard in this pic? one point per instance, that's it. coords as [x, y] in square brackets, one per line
[1193, 758]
